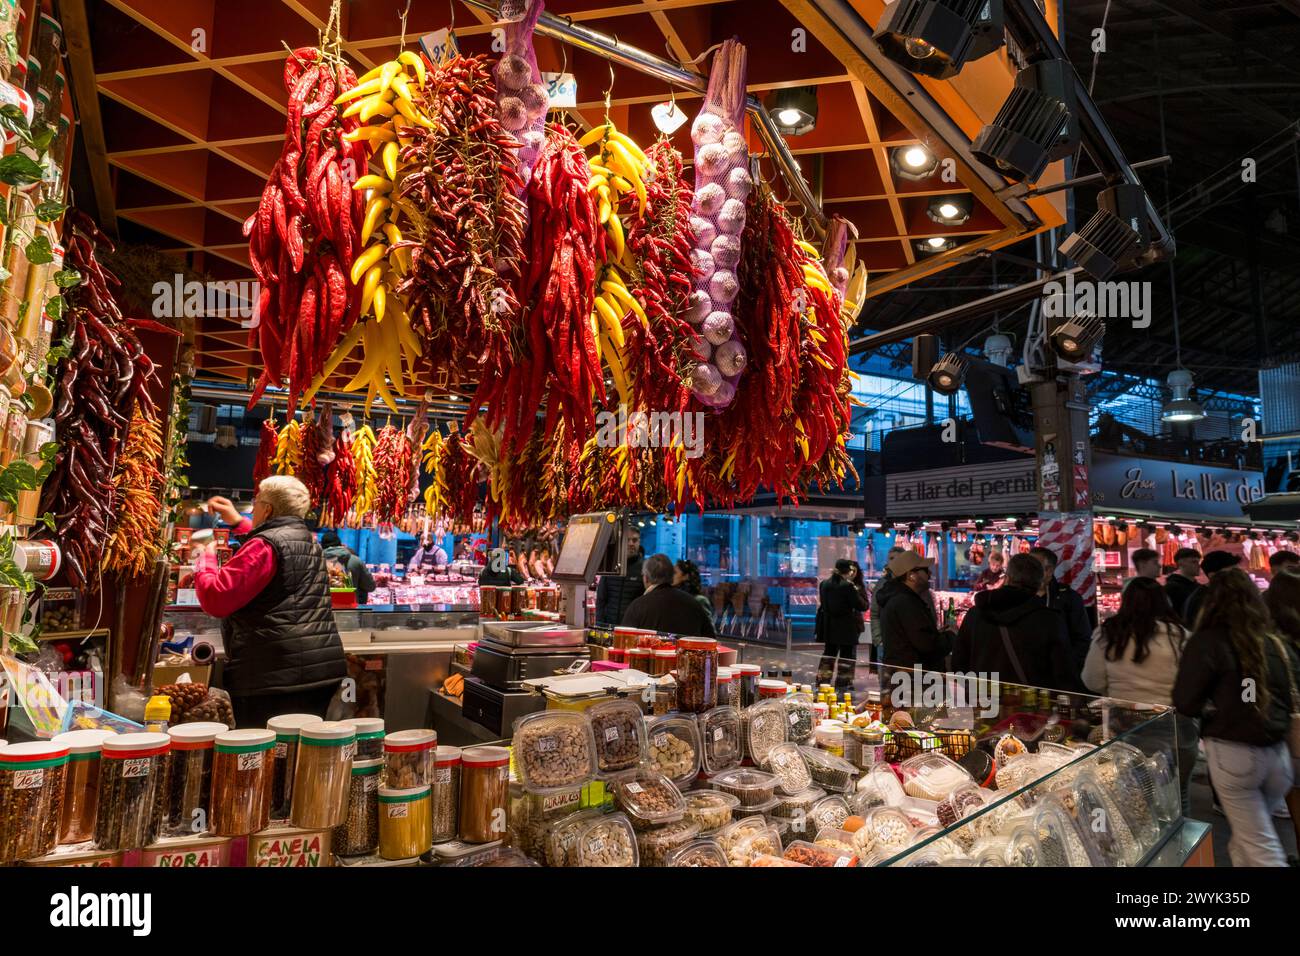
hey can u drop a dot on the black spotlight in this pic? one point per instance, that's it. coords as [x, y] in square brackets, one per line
[925, 353]
[1076, 337]
[935, 244]
[949, 210]
[913, 162]
[938, 37]
[1118, 232]
[946, 376]
[794, 110]
[1036, 123]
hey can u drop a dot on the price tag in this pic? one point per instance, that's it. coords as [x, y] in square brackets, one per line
[561, 90]
[661, 741]
[844, 861]
[281, 750]
[611, 734]
[28, 779]
[370, 784]
[442, 775]
[794, 717]
[546, 744]
[635, 788]
[440, 46]
[717, 733]
[138, 767]
[349, 751]
[251, 761]
[595, 844]
[398, 810]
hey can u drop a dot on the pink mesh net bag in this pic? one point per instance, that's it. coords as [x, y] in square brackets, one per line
[521, 95]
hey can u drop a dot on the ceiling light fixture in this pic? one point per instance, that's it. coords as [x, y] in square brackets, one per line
[1118, 232]
[1035, 125]
[1181, 408]
[1077, 336]
[936, 244]
[949, 210]
[794, 110]
[947, 374]
[937, 38]
[913, 162]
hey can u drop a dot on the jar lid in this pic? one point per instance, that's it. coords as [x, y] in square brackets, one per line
[33, 755]
[82, 741]
[367, 767]
[244, 741]
[367, 727]
[196, 735]
[327, 733]
[288, 725]
[697, 643]
[406, 741]
[126, 746]
[394, 795]
[485, 756]
[747, 669]
[769, 684]
[726, 673]
[448, 756]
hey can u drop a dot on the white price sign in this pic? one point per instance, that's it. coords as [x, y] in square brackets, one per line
[561, 90]
[440, 46]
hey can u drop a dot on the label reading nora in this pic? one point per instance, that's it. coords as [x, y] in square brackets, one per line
[398, 810]
[136, 767]
[611, 734]
[442, 775]
[561, 90]
[28, 779]
[251, 761]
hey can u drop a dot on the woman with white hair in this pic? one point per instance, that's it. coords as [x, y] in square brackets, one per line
[283, 653]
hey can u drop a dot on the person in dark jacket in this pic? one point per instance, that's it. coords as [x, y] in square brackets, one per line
[686, 575]
[884, 588]
[336, 550]
[912, 635]
[664, 608]
[615, 592]
[1211, 564]
[1010, 633]
[839, 622]
[283, 652]
[1067, 602]
[498, 571]
[1182, 582]
[1235, 675]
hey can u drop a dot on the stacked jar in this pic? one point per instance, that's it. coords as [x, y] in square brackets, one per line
[772, 689]
[32, 783]
[286, 728]
[370, 737]
[697, 674]
[409, 757]
[188, 802]
[446, 793]
[641, 659]
[81, 790]
[728, 690]
[747, 677]
[405, 822]
[322, 775]
[484, 794]
[242, 765]
[132, 778]
[665, 660]
[359, 833]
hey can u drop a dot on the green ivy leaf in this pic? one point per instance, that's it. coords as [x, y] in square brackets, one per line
[50, 210]
[19, 169]
[56, 354]
[54, 306]
[41, 138]
[47, 519]
[21, 643]
[67, 278]
[13, 121]
[39, 251]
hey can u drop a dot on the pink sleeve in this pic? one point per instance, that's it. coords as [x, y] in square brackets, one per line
[241, 529]
[223, 591]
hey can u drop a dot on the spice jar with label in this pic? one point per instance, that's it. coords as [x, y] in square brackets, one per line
[484, 794]
[322, 774]
[663, 662]
[487, 602]
[370, 737]
[446, 793]
[286, 727]
[728, 691]
[409, 758]
[770, 688]
[132, 775]
[747, 677]
[241, 781]
[32, 782]
[189, 778]
[641, 659]
[81, 790]
[697, 674]
[359, 833]
[405, 822]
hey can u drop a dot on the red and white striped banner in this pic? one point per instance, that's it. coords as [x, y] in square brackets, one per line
[1069, 534]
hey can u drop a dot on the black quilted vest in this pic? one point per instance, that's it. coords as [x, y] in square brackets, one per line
[285, 638]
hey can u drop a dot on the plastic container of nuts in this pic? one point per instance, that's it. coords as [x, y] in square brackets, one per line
[801, 718]
[648, 797]
[744, 840]
[834, 838]
[796, 806]
[762, 727]
[811, 854]
[829, 771]
[656, 845]
[879, 788]
[720, 739]
[711, 809]
[560, 841]
[674, 748]
[554, 750]
[787, 764]
[607, 840]
[620, 736]
[884, 830]
[932, 776]
[750, 787]
[829, 811]
[409, 758]
[698, 853]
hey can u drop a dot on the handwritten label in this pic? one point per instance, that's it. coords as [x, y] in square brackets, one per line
[661, 741]
[440, 46]
[298, 852]
[611, 734]
[28, 779]
[561, 90]
[370, 784]
[349, 751]
[188, 859]
[137, 767]
[595, 845]
[634, 788]
[546, 744]
[717, 733]
[442, 775]
[281, 750]
[794, 717]
[251, 761]
[843, 861]
[398, 811]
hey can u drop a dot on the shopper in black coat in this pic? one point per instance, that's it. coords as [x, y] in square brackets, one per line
[839, 623]
[664, 608]
[1010, 633]
[912, 635]
[1180, 585]
[1068, 603]
[616, 592]
[1211, 564]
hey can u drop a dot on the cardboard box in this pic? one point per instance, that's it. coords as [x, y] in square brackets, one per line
[170, 673]
[187, 852]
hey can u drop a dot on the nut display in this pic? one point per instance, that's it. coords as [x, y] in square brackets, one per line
[607, 841]
[787, 764]
[697, 674]
[32, 778]
[795, 806]
[750, 787]
[1057, 839]
[829, 812]
[674, 746]
[744, 840]
[561, 837]
[1104, 823]
[698, 853]
[886, 830]
[809, 854]
[409, 757]
[829, 771]
[957, 804]
[840, 840]
[711, 809]
[720, 739]
[767, 859]
[932, 776]
[648, 797]
[763, 727]
[620, 734]
[657, 844]
[555, 750]
[801, 717]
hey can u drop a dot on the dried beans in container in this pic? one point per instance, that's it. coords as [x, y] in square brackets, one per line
[321, 775]
[409, 757]
[370, 736]
[484, 794]
[359, 833]
[189, 778]
[31, 799]
[405, 822]
[81, 789]
[446, 793]
[132, 779]
[286, 727]
[241, 781]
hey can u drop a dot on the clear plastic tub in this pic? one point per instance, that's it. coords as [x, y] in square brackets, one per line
[1104, 823]
[1022, 847]
[879, 788]
[884, 831]
[1058, 838]
[359, 833]
[829, 812]
[554, 750]
[750, 787]
[674, 748]
[720, 739]
[189, 778]
[744, 840]
[561, 837]
[768, 860]
[287, 728]
[800, 717]
[796, 806]
[991, 851]
[836, 839]
[241, 781]
[405, 822]
[322, 775]
[484, 810]
[698, 853]
[1020, 773]
[810, 854]
[132, 774]
[829, 771]
[409, 758]
[370, 736]
[32, 782]
[607, 841]
[958, 803]
[763, 809]
[81, 788]
[711, 809]
[932, 776]
[763, 727]
[786, 763]
[619, 732]
[648, 797]
[656, 845]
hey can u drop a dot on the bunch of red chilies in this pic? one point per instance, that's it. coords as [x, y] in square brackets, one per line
[105, 374]
[394, 463]
[467, 224]
[265, 450]
[306, 230]
[558, 292]
[340, 485]
[462, 479]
